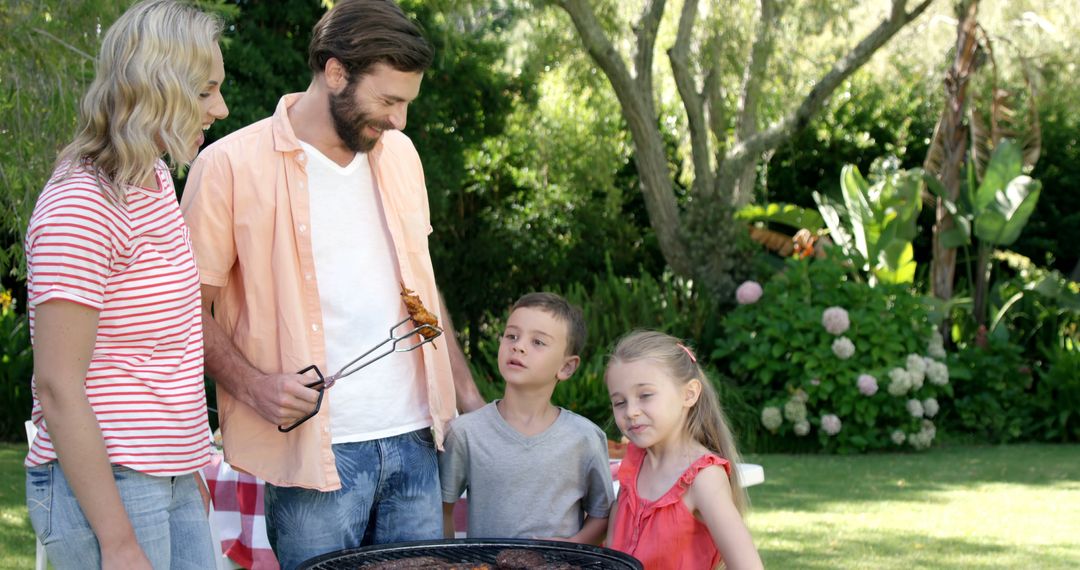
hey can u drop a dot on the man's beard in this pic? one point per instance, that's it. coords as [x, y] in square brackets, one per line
[350, 121]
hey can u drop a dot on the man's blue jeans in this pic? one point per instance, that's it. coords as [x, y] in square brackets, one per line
[167, 514]
[389, 493]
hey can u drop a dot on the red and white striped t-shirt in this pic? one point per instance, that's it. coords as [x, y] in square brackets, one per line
[133, 263]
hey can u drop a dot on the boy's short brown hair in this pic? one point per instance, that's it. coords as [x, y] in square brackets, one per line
[561, 309]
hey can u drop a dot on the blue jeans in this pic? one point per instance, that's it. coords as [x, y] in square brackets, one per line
[167, 514]
[389, 493]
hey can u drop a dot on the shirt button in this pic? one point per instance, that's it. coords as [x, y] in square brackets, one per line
[315, 328]
[301, 184]
[307, 276]
[303, 228]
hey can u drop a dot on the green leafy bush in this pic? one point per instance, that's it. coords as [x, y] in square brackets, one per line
[990, 391]
[1057, 399]
[824, 356]
[16, 368]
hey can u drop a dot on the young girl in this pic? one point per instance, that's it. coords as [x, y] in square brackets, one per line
[680, 503]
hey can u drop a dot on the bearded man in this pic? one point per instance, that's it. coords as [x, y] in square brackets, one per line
[305, 225]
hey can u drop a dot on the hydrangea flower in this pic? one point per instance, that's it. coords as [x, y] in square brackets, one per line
[867, 385]
[794, 411]
[930, 407]
[914, 407]
[835, 320]
[802, 428]
[771, 418]
[898, 437]
[924, 437]
[748, 293]
[916, 368]
[843, 348]
[830, 424]
[936, 347]
[937, 373]
[900, 382]
[800, 395]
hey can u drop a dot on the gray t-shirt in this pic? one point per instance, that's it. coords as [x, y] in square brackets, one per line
[526, 487]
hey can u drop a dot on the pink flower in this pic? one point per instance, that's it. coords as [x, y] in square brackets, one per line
[835, 320]
[830, 424]
[867, 384]
[748, 293]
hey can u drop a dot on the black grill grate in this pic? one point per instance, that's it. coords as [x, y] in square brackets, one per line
[463, 551]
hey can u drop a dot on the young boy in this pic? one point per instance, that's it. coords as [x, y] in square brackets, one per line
[532, 470]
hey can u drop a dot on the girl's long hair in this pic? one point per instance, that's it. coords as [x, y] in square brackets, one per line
[706, 421]
[154, 61]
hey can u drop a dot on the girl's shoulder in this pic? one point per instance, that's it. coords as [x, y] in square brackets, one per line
[709, 467]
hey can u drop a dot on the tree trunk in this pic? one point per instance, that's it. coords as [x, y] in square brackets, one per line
[948, 151]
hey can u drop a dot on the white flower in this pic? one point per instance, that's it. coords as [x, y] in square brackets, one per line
[843, 348]
[936, 347]
[794, 411]
[800, 395]
[900, 382]
[937, 373]
[867, 385]
[835, 320]
[802, 428]
[916, 368]
[915, 363]
[930, 407]
[771, 418]
[748, 293]
[898, 437]
[830, 424]
[914, 407]
[924, 437]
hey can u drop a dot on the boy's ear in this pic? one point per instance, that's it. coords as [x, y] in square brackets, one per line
[569, 366]
[692, 392]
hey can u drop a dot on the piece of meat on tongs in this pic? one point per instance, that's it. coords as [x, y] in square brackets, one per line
[427, 323]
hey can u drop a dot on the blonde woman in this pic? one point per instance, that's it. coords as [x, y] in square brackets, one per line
[115, 308]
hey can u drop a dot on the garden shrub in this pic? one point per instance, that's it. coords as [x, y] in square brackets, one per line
[990, 391]
[825, 357]
[1056, 405]
[16, 368]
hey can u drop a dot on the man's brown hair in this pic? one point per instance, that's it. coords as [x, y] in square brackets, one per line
[362, 33]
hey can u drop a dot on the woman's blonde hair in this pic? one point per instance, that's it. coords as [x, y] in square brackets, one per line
[706, 422]
[154, 61]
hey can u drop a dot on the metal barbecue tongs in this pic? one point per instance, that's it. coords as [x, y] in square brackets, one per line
[394, 340]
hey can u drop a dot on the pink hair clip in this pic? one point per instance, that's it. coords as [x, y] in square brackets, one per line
[687, 351]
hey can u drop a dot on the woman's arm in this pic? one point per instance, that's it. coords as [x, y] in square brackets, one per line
[710, 498]
[64, 335]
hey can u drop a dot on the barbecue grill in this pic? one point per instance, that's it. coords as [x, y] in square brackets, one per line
[467, 550]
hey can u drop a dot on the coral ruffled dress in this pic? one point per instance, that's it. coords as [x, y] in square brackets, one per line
[663, 534]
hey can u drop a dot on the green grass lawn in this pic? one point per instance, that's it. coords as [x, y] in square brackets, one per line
[960, 507]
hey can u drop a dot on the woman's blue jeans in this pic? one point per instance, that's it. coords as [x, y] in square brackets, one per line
[389, 493]
[167, 514]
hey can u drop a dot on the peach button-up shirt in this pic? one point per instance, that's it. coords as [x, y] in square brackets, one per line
[246, 204]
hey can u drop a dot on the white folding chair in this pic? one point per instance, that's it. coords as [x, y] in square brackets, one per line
[41, 562]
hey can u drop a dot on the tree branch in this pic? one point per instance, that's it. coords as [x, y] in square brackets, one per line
[651, 15]
[597, 44]
[693, 102]
[841, 70]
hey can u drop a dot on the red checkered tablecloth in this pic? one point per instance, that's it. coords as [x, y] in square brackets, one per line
[238, 515]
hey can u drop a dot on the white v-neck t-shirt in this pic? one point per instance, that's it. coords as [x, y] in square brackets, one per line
[358, 282]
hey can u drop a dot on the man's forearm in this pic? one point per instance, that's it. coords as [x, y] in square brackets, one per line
[224, 362]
